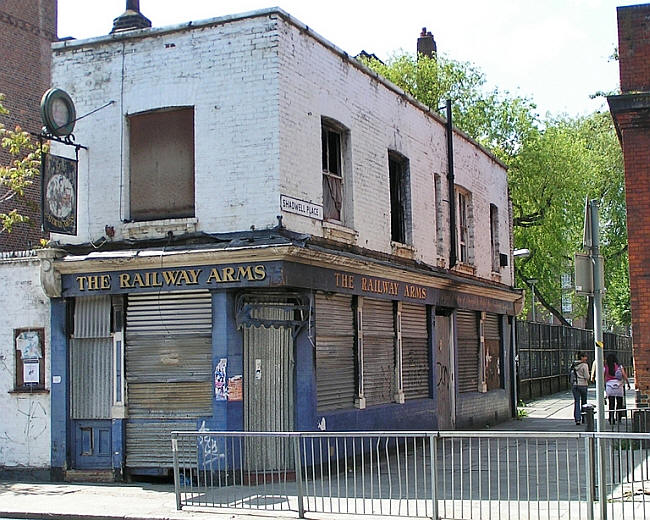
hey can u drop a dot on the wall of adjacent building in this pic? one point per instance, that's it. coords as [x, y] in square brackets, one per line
[631, 111]
[27, 28]
[25, 424]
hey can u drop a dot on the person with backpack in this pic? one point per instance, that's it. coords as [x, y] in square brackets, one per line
[615, 377]
[579, 380]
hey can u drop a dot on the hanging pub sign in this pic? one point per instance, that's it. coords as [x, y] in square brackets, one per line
[60, 194]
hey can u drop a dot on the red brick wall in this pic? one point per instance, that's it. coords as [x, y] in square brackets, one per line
[636, 149]
[634, 128]
[27, 27]
[634, 47]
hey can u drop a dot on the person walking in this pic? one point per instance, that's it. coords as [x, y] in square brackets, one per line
[579, 379]
[615, 377]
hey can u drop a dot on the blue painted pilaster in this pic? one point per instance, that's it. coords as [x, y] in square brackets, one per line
[59, 390]
[433, 359]
[226, 343]
[305, 398]
[118, 446]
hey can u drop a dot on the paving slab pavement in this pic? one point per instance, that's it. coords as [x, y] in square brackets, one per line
[135, 501]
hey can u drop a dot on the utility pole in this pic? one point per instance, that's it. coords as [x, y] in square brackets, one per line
[598, 346]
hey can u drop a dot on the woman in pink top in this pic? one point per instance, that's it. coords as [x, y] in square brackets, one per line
[615, 376]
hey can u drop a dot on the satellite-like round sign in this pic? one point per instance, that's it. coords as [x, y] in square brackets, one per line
[58, 112]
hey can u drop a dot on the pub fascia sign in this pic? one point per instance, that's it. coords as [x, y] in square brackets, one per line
[169, 278]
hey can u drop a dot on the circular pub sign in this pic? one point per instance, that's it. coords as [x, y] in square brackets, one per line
[58, 112]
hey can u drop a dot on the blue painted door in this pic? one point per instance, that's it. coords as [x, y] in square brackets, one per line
[92, 444]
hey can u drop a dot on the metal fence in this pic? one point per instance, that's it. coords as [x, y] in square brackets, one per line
[450, 475]
[545, 353]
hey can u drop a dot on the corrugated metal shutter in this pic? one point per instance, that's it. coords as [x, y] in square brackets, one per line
[91, 359]
[91, 369]
[92, 317]
[268, 380]
[335, 344]
[468, 350]
[491, 326]
[378, 351]
[168, 371]
[415, 351]
[492, 338]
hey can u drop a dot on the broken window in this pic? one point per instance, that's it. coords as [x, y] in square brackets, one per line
[398, 174]
[464, 227]
[494, 237]
[162, 164]
[332, 141]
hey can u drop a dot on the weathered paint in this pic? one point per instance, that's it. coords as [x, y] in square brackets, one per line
[59, 394]
[25, 416]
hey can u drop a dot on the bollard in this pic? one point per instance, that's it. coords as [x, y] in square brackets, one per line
[588, 417]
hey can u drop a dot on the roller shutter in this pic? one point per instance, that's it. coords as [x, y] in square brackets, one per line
[468, 350]
[378, 351]
[335, 351]
[492, 338]
[415, 351]
[168, 371]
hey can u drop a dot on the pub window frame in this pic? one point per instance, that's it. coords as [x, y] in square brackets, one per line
[464, 226]
[398, 175]
[494, 238]
[334, 143]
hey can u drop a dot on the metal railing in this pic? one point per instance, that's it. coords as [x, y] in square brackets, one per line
[451, 475]
[545, 353]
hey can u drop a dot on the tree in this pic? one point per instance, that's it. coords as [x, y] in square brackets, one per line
[19, 174]
[553, 165]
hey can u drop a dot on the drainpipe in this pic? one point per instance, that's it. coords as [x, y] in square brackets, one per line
[452, 191]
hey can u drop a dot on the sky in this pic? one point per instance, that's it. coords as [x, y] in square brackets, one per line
[555, 52]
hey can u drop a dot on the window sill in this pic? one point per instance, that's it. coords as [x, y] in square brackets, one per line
[465, 268]
[402, 250]
[339, 232]
[495, 277]
[27, 390]
[159, 228]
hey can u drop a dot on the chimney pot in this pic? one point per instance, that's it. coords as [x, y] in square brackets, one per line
[131, 19]
[426, 44]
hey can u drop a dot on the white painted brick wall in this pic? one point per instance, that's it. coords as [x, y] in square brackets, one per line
[25, 423]
[227, 72]
[259, 87]
[316, 82]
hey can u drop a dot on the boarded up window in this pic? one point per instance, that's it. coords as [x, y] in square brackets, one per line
[468, 351]
[335, 352]
[162, 164]
[492, 336]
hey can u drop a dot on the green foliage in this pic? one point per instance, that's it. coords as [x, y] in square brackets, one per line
[554, 164]
[521, 410]
[19, 174]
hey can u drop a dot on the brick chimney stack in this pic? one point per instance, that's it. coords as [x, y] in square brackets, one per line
[426, 44]
[130, 19]
[634, 48]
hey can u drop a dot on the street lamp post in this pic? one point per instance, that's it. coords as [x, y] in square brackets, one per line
[532, 282]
